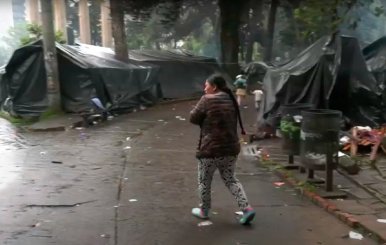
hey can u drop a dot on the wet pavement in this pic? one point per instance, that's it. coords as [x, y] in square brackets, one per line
[132, 180]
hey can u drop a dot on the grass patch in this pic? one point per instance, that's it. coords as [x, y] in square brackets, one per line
[18, 121]
[48, 114]
[25, 121]
[303, 185]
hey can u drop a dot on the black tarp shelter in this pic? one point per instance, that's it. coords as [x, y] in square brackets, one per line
[88, 71]
[181, 74]
[329, 74]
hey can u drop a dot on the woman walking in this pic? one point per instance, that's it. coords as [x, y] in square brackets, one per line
[217, 113]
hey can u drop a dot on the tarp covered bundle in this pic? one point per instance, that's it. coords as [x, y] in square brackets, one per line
[330, 74]
[87, 71]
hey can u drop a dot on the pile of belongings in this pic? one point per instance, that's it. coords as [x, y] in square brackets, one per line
[366, 138]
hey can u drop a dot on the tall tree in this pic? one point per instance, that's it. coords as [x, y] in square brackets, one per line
[230, 15]
[254, 31]
[318, 18]
[119, 34]
[270, 30]
[51, 63]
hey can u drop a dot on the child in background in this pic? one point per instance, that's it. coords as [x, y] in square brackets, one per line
[241, 88]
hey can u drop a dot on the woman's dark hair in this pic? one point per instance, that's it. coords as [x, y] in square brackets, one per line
[220, 83]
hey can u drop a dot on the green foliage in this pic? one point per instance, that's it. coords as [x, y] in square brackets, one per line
[303, 185]
[290, 129]
[155, 30]
[35, 33]
[317, 18]
[18, 121]
[201, 41]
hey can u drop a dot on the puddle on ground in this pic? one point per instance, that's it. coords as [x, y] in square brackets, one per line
[10, 137]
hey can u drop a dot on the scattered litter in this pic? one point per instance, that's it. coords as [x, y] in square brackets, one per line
[79, 128]
[105, 236]
[180, 118]
[133, 200]
[127, 147]
[116, 206]
[83, 136]
[57, 162]
[126, 178]
[42, 153]
[239, 213]
[344, 140]
[279, 183]
[161, 120]
[214, 212]
[205, 223]
[36, 225]
[128, 138]
[381, 220]
[298, 118]
[367, 128]
[355, 235]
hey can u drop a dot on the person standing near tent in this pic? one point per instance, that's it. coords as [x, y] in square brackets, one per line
[217, 113]
[241, 88]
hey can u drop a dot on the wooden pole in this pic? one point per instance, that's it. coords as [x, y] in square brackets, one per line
[60, 17]
[84, 22]
[33, 11]
[107, 38]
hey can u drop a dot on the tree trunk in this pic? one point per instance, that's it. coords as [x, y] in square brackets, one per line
[270, 30]
[157, 45]
[119, 34]
[255, 24]
[230, 13]
[51, 62]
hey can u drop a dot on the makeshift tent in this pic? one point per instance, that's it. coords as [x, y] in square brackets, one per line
[88, 71]
[3, 91]
[24, 81]
[181, 74]
[83, 75]
[375, 56]
[329, 74]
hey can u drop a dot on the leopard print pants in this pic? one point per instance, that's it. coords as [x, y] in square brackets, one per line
[226, 166]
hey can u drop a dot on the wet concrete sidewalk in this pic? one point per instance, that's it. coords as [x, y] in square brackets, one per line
[363, 204]
[133, 181]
